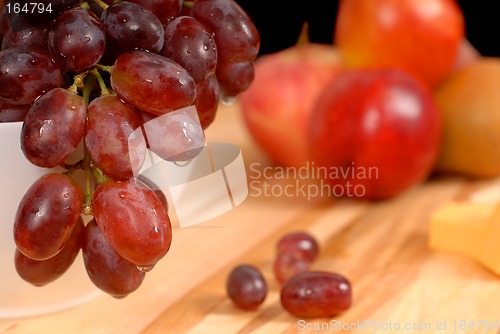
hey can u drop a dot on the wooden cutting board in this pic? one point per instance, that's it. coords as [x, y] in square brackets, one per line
[381, 247]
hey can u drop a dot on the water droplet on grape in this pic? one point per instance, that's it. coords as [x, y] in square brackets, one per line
[146, 269]
[228, 100]
[182, 163]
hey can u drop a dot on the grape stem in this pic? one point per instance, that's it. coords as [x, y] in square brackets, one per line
[100, 80]
[89, 86]
[101, 4]
[100, 177]
[89, 193]
[78, 82]
[88, 165]
[188, 4]
[104, 68]
[85, 5]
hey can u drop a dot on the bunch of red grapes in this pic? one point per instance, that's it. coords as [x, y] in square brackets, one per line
[93, 72]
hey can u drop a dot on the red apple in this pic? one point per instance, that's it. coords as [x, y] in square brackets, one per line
[375, 133]
[421, 37]
[277, 106]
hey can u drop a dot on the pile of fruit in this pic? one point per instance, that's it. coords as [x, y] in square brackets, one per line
[93, 72]
[399, 92]
[304, 292]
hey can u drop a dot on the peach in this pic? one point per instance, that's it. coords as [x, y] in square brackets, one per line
[470, 103]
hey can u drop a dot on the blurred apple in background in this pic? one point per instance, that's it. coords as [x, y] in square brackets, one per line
[277, 106]
[377, 132]
[421, 37]
[470, 103]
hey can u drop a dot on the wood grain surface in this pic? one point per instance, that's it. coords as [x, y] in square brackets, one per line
[380, 247]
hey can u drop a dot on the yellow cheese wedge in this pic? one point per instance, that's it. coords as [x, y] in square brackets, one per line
[487, 247]
[457, 227]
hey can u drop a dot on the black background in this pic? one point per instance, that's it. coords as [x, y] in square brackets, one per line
[280, 23]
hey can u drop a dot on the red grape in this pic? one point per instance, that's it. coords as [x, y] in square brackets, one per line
[53, 127]
[35, 37]
[165, 10]
[207, 100]
[287, 265]
[130, 26]
[43, 272]
[234, 78]
[152, 83]
[316, 294]
[106, 268]
[235, 34]
[25, 74]
[237, 40]
[246, 287]
[295, 253]
[77, 40]
[110, 123]
[176, 136]
[191, 46]
[13, 112]
[46, 215]
[133, 220]
[299, 242]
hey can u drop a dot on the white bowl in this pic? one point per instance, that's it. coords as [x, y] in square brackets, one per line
[17, 297]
